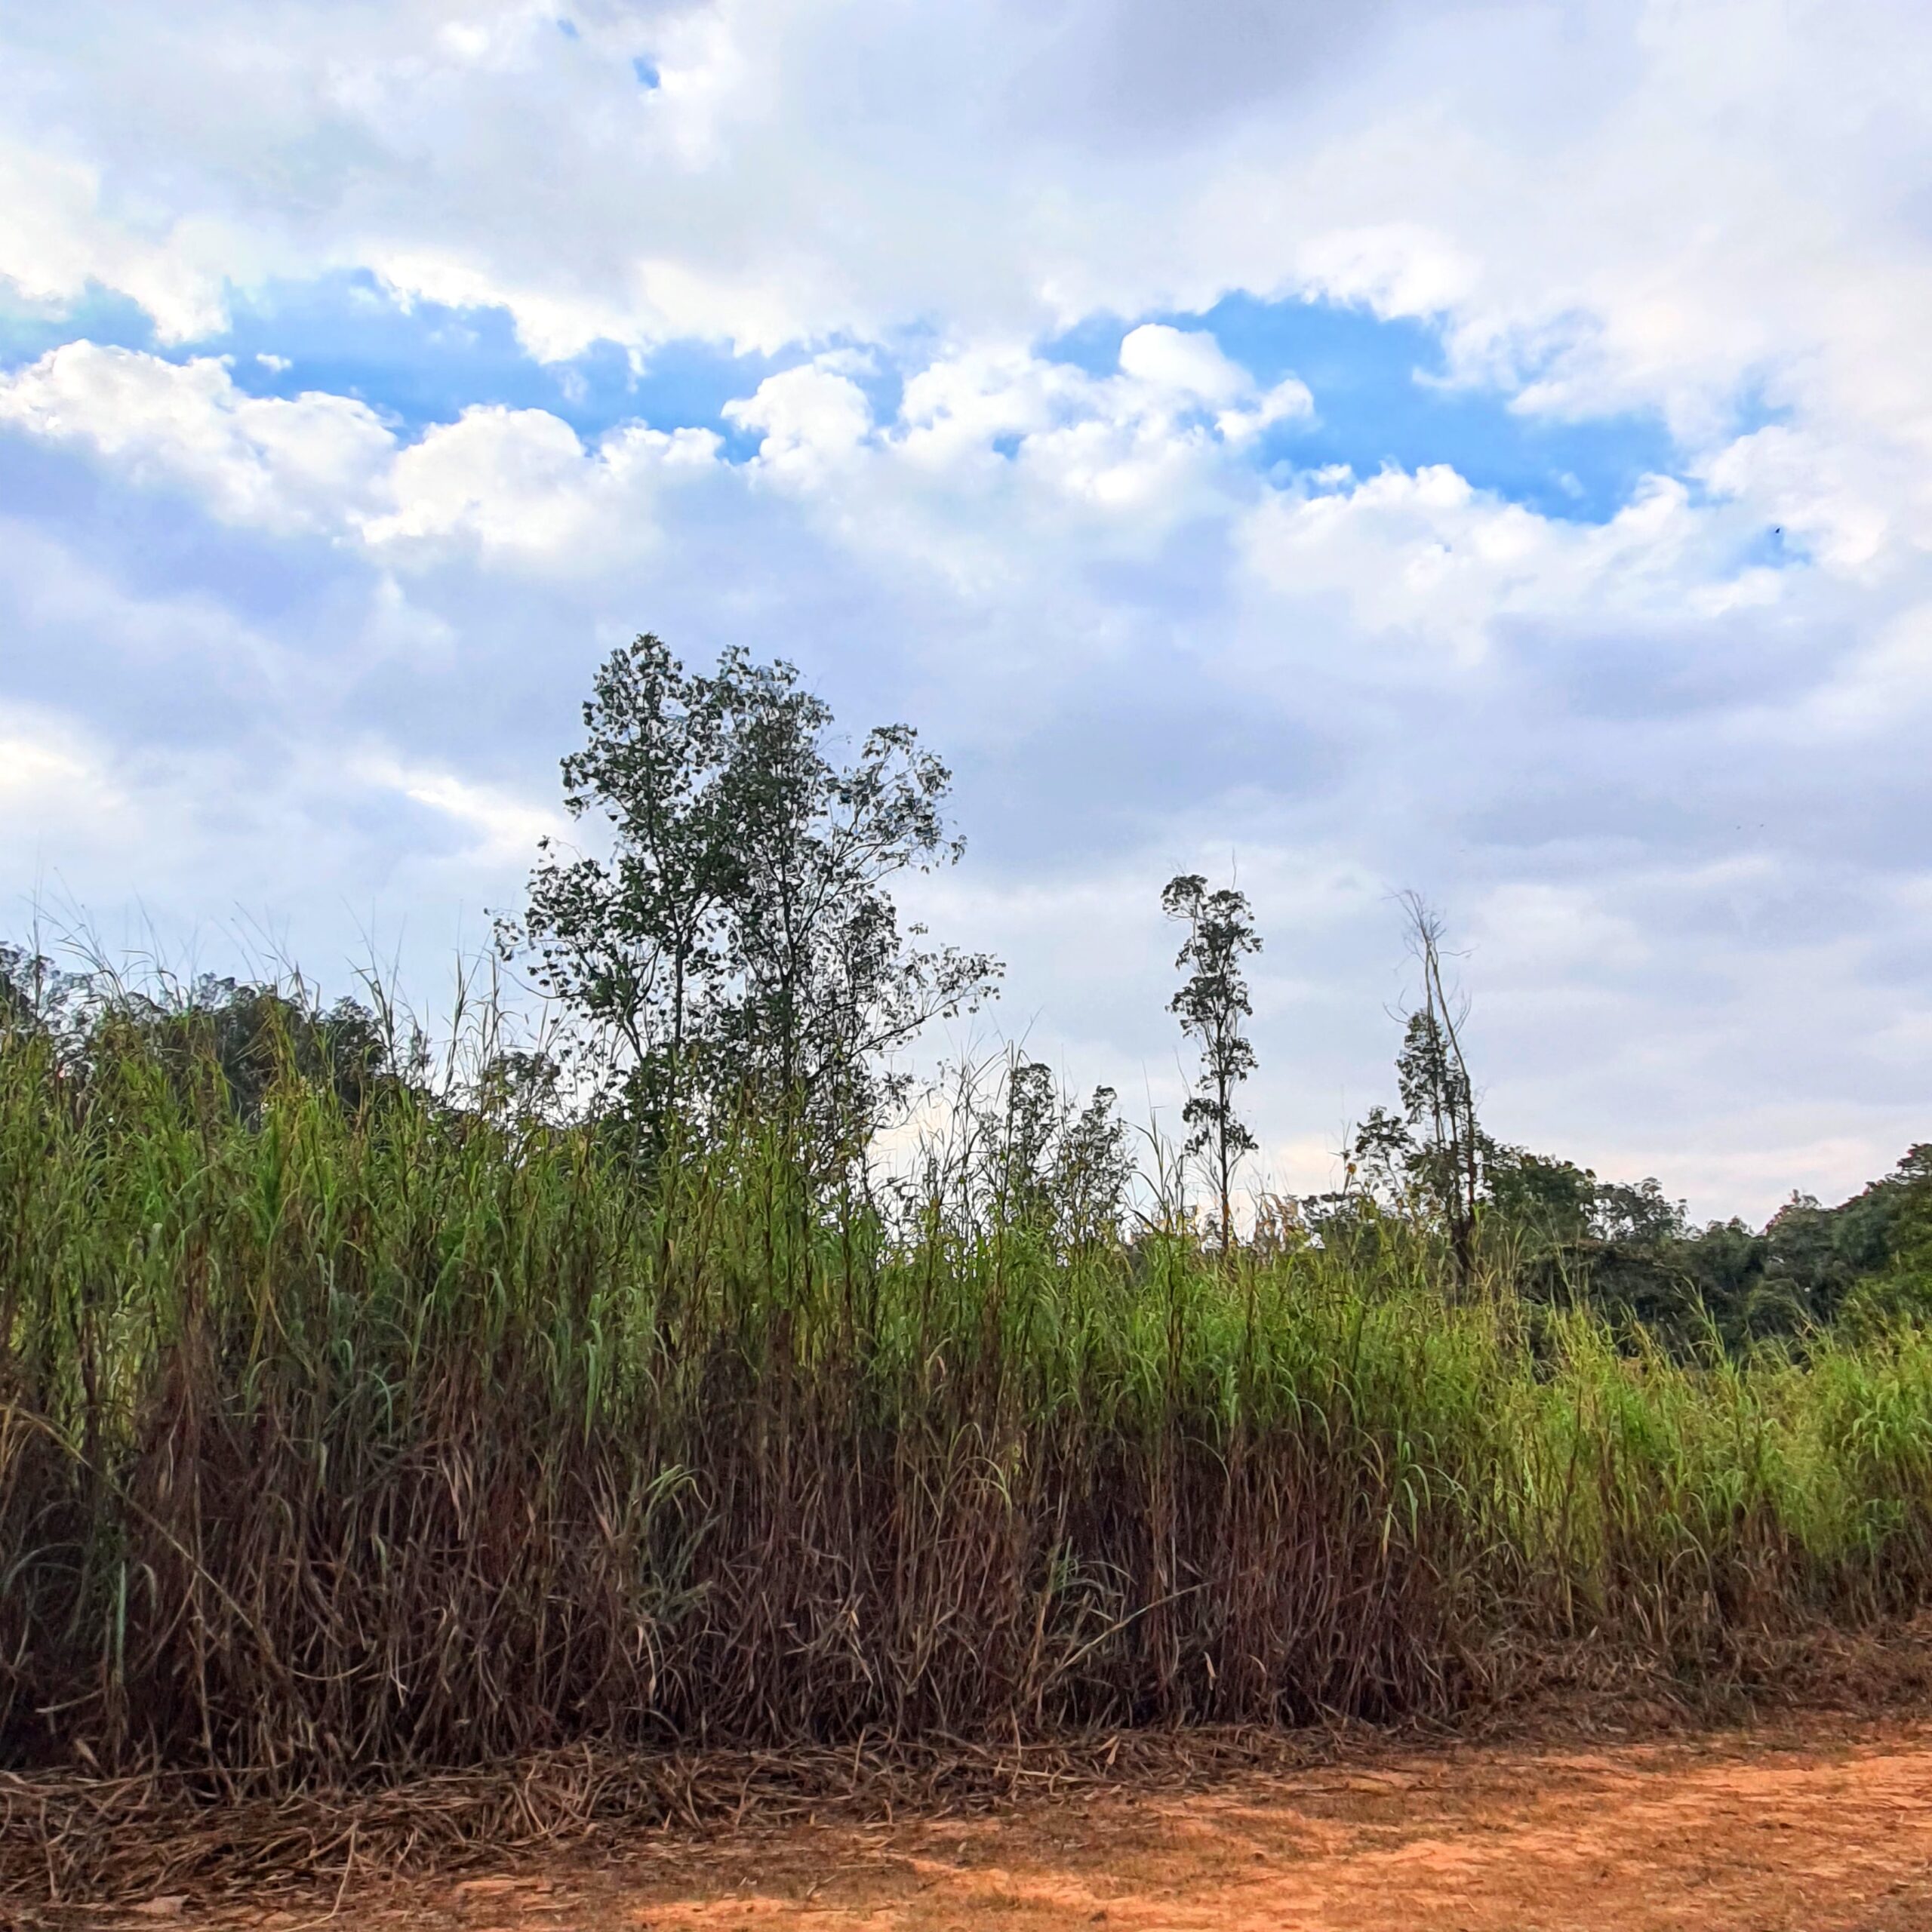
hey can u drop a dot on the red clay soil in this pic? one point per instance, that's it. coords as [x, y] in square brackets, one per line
[1821, 1827]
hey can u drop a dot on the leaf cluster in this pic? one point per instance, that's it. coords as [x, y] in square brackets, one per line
[735, 945]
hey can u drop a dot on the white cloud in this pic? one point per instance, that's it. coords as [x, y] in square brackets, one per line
[1667, 765]
[519, 485]
[811, 417]
[503, 828]
[1424, 557]
[553, 325]
[51, 777]
[1624, 209]
[514, 483]
[1188, 361]
[55, 242]
[1395, 268]
[290, 464]
[1798, 482]
[1187, 366]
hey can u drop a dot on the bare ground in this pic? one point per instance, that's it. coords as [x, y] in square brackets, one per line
[1816, 1824]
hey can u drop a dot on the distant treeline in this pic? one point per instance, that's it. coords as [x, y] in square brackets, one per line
[1632, 1253]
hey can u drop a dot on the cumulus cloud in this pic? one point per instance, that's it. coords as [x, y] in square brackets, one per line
[56, 242]
[1187, 361]
[518, 484]
[290, 465]
[1603, 207]
[1188, 366]
[51, 776]
[1425, 556]
[811, 416]
[501, 828]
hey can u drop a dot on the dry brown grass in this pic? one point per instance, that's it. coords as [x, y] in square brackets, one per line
[71, 1840]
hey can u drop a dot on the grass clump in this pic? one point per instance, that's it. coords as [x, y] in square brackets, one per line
[347, 1431]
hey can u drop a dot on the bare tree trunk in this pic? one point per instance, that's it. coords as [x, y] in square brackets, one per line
[1452, 1098]
[1227, 1210]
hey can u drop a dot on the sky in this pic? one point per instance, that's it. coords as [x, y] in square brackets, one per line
[1475, 447]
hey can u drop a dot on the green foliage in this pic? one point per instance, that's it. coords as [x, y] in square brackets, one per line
[347, 1427]
[738, 946]
[1035, 1161]
[1212, 1003]
[1889, 1228]
[1556, 1203]
[1628, 1249]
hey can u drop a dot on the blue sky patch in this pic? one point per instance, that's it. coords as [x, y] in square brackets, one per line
[1376, 406]
[425, 363]
[1378, 400]
[100, 316]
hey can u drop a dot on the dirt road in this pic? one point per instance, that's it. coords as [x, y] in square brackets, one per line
[1827, 1829]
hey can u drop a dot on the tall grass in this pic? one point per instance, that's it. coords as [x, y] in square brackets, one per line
[338, 1439]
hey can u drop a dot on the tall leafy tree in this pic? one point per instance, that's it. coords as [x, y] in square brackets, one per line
[1024, 1143]
[739, 944]
[24, 977]
[1092, 1164]
[633, 942]
[1212, 1005]
[822, 982]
